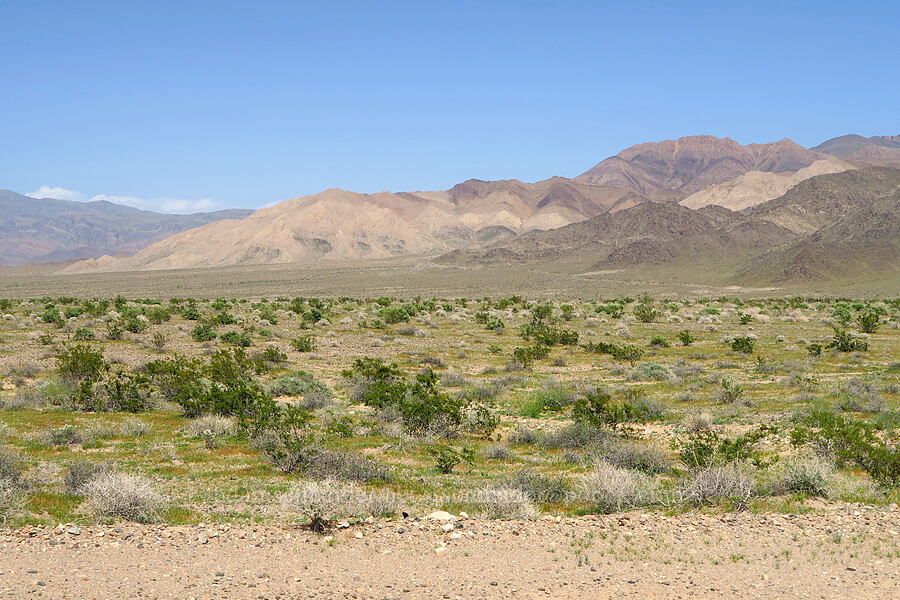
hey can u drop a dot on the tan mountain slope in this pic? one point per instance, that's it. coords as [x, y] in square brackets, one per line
[823, 200]
[341, 225]
[756, 187]
[690, 164]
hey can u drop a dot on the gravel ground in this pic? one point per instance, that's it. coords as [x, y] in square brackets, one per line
[837, 553]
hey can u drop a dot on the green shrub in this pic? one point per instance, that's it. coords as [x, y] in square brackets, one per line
[305, 343]
[301, 383]
[272, 354]
[223, 318]
[393, 314]
[447, 457]
[203, 333]
[627, 352]
[122, 391]
[481, 420]
[158, 340]
[190, 313]
[842, 313]
[83, 334]
[645, 313]
[868, 321]
[375, 383]
[52, 316]
[228, 387]
[524, 356]
[686, 337]
[114, 332]
[424, 406]
[706, 448]
[613, 309]
[175, 376]
[552, 397]
[237, 338]
[80, 363]
[598, 409]
[844, 341]
[157, 315]
[659, 341]
[852, 441]
[649, 371]
[742, 344]
[134, 325]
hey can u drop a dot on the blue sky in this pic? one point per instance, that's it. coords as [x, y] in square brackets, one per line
[183, 105]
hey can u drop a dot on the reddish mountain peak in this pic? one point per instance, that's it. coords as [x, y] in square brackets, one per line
[691, 163]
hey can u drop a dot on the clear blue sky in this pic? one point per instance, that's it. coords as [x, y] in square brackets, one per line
[174, 105]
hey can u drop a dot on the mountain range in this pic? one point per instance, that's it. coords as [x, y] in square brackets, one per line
[764, 209]
[827, 228]
[50, 230]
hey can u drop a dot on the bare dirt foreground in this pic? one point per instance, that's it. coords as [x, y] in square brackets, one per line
[838, 553]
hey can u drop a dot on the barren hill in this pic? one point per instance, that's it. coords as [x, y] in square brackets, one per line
[690, 164]
[861, 239]
[883, 150]
[42, 230]
[756, 187]
[340, 225]
[823, 200]
[647, 233]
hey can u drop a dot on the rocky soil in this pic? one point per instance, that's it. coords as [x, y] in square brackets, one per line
[840, 552]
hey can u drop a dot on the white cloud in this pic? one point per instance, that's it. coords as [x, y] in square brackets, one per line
[57, 193]
[189, 206]
[166, 205]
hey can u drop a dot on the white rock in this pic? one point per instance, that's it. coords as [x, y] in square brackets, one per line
[440, 515]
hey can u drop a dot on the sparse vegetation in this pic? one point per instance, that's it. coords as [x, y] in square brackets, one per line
[517, 420]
